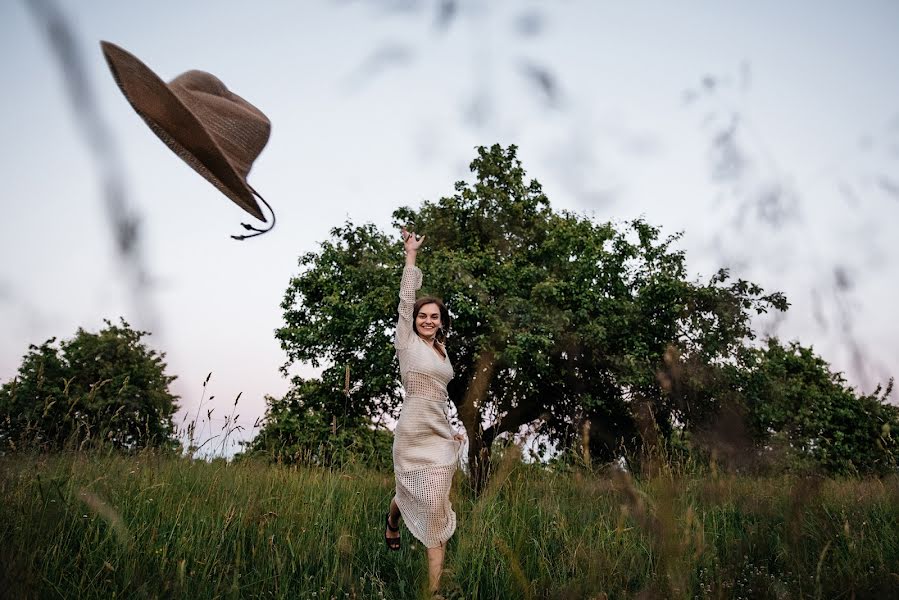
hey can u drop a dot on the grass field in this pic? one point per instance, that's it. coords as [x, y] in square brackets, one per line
[149, 526]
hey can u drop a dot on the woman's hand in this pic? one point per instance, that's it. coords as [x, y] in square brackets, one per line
[459, 438]
[411, 242]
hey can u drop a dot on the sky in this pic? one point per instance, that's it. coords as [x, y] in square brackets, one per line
[766, 132]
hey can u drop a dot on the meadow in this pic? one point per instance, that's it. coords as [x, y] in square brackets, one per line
[106, 525]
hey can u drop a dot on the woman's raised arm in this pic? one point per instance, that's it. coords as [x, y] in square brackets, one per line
[410, 283]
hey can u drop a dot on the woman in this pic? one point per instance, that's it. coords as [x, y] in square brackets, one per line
[424, 446]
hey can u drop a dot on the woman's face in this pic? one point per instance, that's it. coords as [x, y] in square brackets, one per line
[427, 321]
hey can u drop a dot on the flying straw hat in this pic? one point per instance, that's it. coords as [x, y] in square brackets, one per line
[212, 129]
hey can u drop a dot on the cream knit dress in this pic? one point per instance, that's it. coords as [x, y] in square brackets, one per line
[424, 451]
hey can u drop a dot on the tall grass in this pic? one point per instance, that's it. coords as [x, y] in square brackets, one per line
[100, 525]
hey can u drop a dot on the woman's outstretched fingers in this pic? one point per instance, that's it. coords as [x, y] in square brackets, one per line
[410, 241]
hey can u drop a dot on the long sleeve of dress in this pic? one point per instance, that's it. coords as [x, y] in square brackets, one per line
[410, 283]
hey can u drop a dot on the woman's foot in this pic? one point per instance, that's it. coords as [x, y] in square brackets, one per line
[392, 535]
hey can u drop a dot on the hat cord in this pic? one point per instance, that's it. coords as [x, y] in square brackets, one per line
[249, 227]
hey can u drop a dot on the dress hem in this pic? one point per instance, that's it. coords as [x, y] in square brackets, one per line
[400, 502]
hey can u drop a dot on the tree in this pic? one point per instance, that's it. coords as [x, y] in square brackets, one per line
[795, 399]
[106, 386]
[556, 319]
[703, 369]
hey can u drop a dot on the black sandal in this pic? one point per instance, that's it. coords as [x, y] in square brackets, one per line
[392, 543]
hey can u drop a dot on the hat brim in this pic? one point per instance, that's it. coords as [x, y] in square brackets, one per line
[178, 127]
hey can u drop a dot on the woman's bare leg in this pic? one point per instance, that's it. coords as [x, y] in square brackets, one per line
[435, 566]
[394, 512]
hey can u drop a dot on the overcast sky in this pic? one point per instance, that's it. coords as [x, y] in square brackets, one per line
[767, 132]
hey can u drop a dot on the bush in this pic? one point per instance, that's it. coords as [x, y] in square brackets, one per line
[796, 403]
[106, 387]
[308, 427]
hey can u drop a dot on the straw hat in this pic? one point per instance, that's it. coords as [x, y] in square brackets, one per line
[212, 129]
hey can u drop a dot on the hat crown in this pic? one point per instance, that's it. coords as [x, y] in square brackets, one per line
[200, 81]
[238, 127]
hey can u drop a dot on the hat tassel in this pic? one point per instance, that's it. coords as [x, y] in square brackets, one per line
[249, 227]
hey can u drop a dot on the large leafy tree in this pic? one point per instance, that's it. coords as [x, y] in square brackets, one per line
[107, 387]
[557, 320]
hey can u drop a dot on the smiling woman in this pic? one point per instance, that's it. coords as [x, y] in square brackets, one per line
[425, 449]
[431, 321]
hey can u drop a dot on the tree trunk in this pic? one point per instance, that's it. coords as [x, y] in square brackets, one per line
[478, 464]
[471, 416]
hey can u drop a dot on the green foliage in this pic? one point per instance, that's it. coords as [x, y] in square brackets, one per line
[799, 405]
[340, 313]
[151, 526]
[106, 387]
[304, 428]
[557, 319]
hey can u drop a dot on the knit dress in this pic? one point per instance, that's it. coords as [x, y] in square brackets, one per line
[424, 451]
